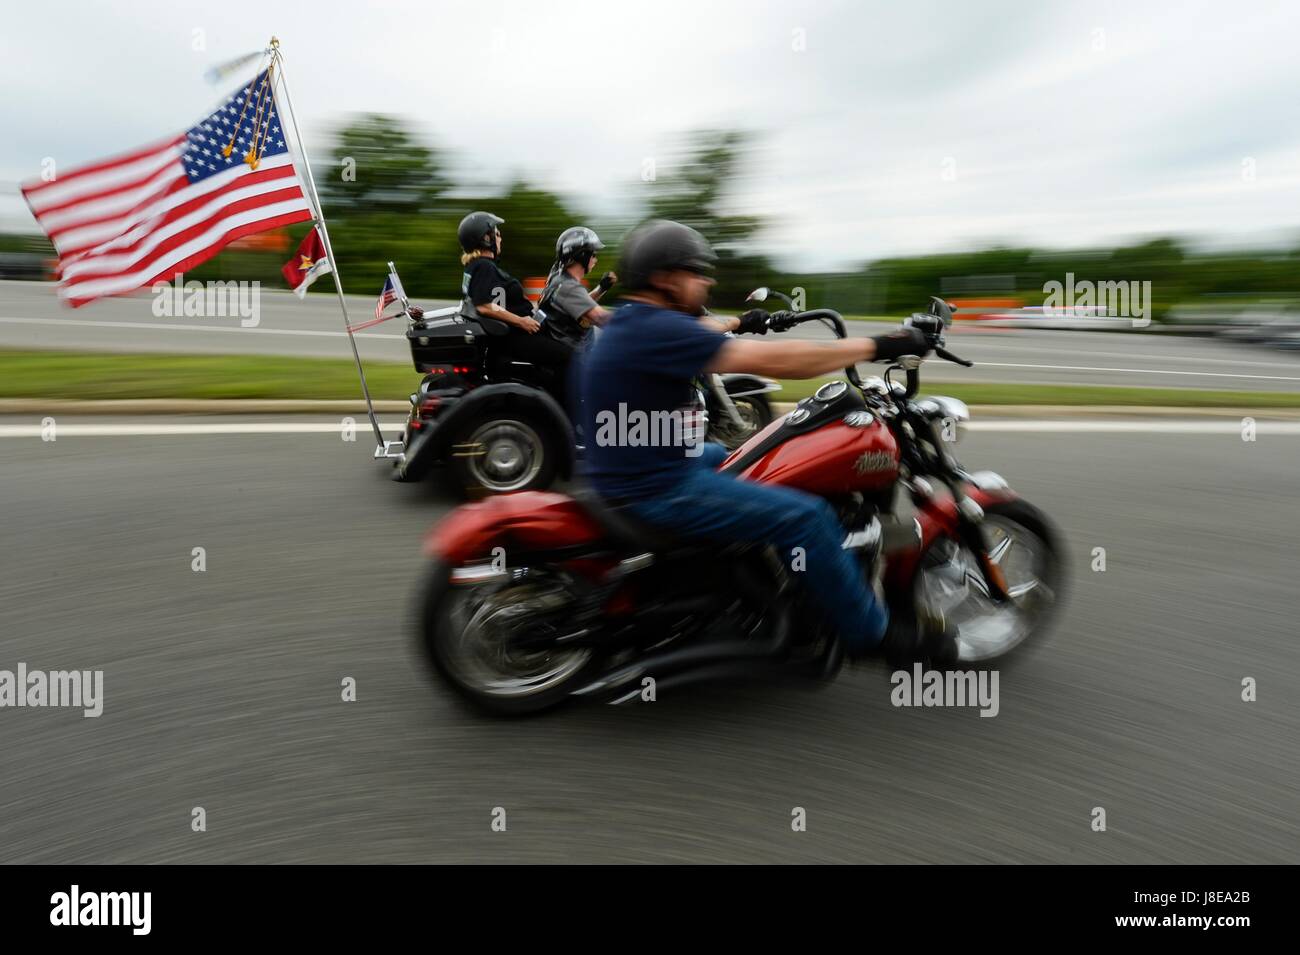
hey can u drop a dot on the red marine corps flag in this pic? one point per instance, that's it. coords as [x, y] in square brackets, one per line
[307, 265]
[148, 215]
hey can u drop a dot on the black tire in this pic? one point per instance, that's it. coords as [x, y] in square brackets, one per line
[509, 433]
[437, 638]
[757, 409]
[408, 445]
[1054, 575]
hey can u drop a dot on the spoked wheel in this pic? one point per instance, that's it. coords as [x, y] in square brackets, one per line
[495, 642]
[1023, 543]
[755, 414]
[502, 455]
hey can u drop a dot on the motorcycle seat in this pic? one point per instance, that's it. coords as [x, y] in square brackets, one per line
[628, 531]
[501, 366]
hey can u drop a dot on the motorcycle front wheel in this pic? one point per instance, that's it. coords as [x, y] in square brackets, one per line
[755, 414]
[1023, 542]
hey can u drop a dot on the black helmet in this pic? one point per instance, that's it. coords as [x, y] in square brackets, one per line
[577, 244]
[662, 245]
[475, 231]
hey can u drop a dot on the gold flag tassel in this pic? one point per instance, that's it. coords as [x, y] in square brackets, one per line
[230, 146]
[265, 126]
[253, 156]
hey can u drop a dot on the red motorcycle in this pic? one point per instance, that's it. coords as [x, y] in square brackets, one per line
[536, 597]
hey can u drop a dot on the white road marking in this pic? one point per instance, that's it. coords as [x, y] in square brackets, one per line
[1080, 353]
[176, 429]
[83, 323]
[1136, 371]
[1229, 426]
[1059, 426]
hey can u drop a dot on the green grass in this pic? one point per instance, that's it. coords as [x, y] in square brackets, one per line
[51, 374]
[1014, 394]
[42, 374]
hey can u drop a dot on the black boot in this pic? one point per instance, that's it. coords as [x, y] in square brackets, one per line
[929, 640]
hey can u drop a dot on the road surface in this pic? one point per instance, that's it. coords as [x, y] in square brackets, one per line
[222, 688]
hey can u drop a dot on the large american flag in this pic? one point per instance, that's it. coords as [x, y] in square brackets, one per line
[125, 223]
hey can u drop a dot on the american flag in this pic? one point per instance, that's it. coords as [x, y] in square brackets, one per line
[146, 216]
[386, 298]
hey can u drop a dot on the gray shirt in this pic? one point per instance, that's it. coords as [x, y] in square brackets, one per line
[566, 301]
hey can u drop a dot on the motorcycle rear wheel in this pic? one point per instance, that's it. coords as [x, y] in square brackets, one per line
[469, 634]
[498, 455]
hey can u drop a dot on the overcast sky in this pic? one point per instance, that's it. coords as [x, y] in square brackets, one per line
[881, 128]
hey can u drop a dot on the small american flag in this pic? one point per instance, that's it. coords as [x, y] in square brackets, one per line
[386, 298]
[146, 216]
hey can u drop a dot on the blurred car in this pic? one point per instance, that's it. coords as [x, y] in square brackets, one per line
[26, 266]
[1277, 326]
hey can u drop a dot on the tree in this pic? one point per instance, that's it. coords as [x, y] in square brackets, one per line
[379, 166]
[694, 192]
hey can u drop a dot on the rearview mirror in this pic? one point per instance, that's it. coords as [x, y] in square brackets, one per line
[758, 295]
[941, 309]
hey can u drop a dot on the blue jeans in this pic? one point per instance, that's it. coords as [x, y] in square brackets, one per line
[721, 509]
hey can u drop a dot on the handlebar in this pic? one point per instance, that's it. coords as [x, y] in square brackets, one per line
[930, 324]
[949, 356]
[781, 321]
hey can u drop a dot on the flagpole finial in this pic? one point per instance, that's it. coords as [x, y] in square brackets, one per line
[275, 43]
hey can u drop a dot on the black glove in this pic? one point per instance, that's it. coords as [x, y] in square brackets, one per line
[781, 320]
[606, 282]
[905, 341]
[753, 322]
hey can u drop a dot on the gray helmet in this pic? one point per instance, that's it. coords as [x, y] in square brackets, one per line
[475, 231]
[577, 244]
[662, 245]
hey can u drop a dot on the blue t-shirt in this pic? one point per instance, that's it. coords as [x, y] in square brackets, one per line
[636, 385]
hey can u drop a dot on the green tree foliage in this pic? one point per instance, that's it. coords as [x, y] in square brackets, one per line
[402, 205]
[378, 166]
[694, 190]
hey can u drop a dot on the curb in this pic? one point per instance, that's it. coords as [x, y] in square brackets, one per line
[181, 406]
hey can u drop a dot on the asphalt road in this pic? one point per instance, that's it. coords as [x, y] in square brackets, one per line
[222, 688]
[31, 317]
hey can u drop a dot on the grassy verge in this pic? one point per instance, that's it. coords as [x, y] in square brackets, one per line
[49, 374]
[1014, 394]
[42, 374]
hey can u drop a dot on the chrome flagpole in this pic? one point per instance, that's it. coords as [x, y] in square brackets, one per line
[383, 449]
[397, 286]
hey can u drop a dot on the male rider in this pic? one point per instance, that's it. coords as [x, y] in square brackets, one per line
[645, 359]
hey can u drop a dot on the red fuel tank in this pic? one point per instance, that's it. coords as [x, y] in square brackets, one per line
[837, 458]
